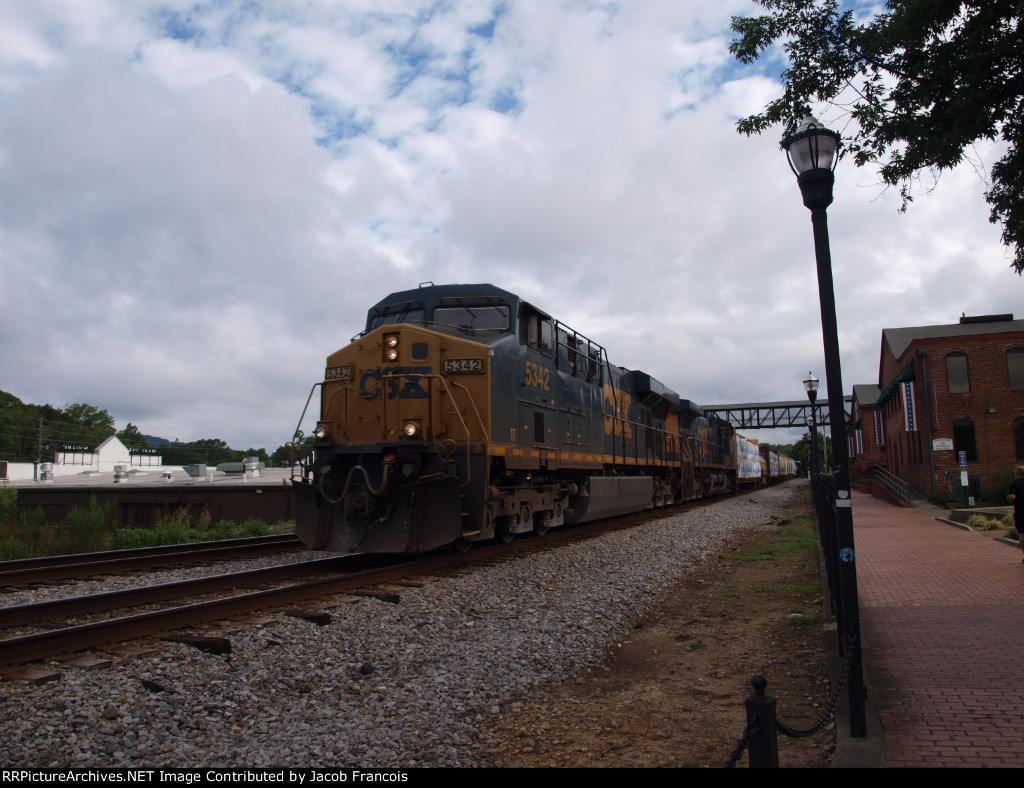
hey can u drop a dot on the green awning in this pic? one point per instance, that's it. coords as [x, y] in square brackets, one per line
[907, 373]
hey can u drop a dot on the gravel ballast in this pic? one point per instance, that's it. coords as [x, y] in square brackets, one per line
[383, 685]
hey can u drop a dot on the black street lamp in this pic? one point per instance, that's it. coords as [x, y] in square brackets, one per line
[812, 157]
[811, 387]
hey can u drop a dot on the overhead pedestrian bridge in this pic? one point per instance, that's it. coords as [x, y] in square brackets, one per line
[772, 415]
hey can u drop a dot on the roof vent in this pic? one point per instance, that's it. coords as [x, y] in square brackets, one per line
[985, 318]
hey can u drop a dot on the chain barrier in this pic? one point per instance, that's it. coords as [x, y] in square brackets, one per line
[830, 707]
[741, 745]
[796, 733]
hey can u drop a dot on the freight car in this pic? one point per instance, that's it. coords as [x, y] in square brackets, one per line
[463, 413]
[749, 465]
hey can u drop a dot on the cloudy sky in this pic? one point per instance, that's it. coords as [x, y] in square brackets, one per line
[199, 200]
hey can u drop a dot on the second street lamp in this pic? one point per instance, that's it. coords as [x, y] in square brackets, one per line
[811, 387]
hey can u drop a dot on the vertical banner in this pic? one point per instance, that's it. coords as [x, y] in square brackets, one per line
[909, 410]
[860, 441]
[879, 432]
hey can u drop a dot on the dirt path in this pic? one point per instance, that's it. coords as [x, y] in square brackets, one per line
[672, 694]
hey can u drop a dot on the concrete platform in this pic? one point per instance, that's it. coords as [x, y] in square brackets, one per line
[942, 623]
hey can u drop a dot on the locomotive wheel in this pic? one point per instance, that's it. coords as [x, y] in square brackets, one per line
[462, 545]
[503, 528]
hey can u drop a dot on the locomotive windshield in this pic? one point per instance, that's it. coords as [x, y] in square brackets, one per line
[412, 316]
[473, 318]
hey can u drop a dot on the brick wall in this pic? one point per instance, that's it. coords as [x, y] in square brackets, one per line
[990, 406]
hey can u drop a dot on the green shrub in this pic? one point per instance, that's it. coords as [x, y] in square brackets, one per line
[1011, 533]
[175, 532]
[130, 538]
[86, 526]
[8, 505]
[999, 485]
[980, 522]
[13, 547]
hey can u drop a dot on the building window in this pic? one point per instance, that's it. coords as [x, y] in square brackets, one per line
[1018, 438]
[963, 440]
[956, 371]
[1015, 369]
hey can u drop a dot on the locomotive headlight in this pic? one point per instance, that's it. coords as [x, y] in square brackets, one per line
[322, 431]
[391, 347]
[413, 429]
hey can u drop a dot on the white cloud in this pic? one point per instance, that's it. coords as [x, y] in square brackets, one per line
[202, 199]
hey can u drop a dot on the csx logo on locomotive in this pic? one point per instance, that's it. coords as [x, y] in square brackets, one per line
[402, 383]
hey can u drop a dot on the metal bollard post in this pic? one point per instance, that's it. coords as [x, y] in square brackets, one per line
[763, 745]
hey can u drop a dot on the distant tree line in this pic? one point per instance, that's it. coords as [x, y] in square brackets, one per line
[801, 450]
[36, 432]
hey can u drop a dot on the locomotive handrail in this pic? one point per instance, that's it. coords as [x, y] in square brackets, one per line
[331, 402]
[308, 400]
[476, 411]
[657, 431]
[298, 426]
[574, 355]
[465, 426]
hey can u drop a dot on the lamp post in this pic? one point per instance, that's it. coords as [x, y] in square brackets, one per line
[811, 387]
[811, 152]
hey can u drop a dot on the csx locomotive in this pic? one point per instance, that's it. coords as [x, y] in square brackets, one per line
[463, 413]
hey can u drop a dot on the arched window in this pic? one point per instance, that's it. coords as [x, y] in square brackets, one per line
[1015, 368]
[956, 371]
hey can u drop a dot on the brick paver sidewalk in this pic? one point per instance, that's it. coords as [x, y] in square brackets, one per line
[942, 622]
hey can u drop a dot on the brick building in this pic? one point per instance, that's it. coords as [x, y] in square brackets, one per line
[950, 389]
[866, 436]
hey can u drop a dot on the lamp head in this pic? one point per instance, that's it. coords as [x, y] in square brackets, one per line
[811, 147]
[811, 152]
[811, 387]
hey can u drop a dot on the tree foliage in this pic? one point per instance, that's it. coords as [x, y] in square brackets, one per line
[921, 84]
[132, 437]
[801, 450]
[208, 451]
[29, 432]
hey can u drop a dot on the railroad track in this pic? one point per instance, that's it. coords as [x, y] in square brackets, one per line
[344, 575]
[29, 571]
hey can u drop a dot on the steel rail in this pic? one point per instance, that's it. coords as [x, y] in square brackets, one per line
[104, 555]
[63, 642]
[33, 612]
[45, 570]
[68, 640]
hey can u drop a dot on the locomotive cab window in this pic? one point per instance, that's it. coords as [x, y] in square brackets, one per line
[536, 331]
